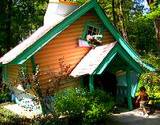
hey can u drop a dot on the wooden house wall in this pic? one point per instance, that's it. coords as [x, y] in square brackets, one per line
[13, 71]
[65, 46]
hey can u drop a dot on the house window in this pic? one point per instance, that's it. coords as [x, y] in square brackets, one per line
[92, 35]
[93, 31]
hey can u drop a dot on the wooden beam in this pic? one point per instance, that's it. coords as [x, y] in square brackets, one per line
[128, 78]
[91, 83]
[4, 73]
[33, 64]
[81, 82]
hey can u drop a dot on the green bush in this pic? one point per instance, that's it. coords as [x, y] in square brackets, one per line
[70, 102]
[4, 94]
[151, 81]
[95, 113]
[82, 105]
[100, 105]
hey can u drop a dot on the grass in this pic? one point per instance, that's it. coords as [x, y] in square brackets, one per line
[9, 118]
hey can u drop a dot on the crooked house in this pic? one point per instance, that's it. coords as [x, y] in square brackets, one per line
[84, 38]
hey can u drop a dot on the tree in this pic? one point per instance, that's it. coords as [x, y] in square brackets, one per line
[18, 19]
[155, 16]
[118, 11]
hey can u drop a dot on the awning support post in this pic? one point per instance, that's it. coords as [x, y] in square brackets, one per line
[128, 77]
[91, 83]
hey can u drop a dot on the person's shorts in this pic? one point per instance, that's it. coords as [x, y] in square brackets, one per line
[143, 104]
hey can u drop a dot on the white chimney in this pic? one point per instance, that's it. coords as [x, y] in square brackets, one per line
[57, 10]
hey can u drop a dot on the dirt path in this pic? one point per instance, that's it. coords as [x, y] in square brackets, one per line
[134, 118]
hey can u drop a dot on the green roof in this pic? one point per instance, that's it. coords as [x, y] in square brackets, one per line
[56, 30]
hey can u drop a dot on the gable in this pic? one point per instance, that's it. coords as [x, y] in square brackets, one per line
[66, 43]
[114, 53]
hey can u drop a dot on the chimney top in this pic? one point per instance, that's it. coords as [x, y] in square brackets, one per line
[64, 1]
[57, 10]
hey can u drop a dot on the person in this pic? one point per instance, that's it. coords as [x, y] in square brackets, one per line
[142, 99]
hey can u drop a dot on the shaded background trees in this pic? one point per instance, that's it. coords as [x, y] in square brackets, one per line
[18, 19]
[136, 24]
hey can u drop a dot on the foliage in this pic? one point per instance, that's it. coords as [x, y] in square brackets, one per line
[49, 119]
[71, 102]
[31, 82]
[4, 93]
[79, 103]
[138, 28]
[9, 118]
[151, 80]
[55, 77]
[100, 105]
[18, 19]
[154, 14]
[153, 59]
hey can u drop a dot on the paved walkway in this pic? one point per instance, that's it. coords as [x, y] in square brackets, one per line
[134, 117]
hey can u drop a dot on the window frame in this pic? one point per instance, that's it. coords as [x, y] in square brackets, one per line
[91, 24]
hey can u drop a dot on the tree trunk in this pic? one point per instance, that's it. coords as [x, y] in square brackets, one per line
[8, 24]
[113, 12]
[157, 27]
[121, 21]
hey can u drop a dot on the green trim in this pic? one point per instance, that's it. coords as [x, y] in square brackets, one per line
[112, 54]
[92, 24]
[128, 77]
[91, 83]
[4, 73]
[130, 60]
[92, 4]
[33, 64]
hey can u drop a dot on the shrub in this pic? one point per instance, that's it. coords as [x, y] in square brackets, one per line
[100, 105]
[95, 113]
[4, 93]
[82, 105]
[70, 102]
[151, 81]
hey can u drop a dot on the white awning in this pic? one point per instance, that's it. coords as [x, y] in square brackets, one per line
[92, 60]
